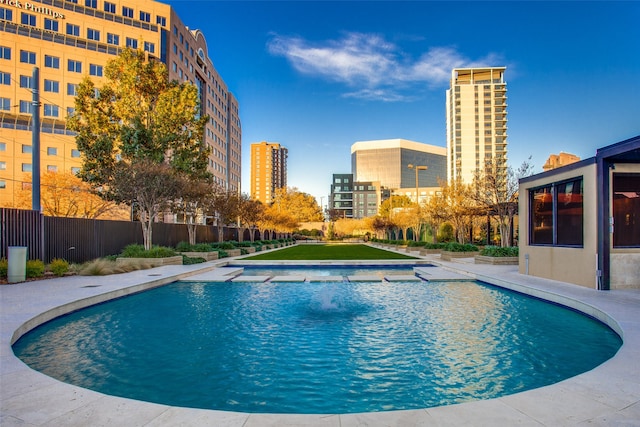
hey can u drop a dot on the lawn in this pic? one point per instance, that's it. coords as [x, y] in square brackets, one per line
[329, 251]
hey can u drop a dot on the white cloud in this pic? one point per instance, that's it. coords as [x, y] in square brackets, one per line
[373, 67]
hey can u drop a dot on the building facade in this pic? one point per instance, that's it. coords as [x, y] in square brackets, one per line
[69, 39]
[392, 163]
[476, 105]
[268, 170]
[355, 199]
[580, 223]
[558, 160]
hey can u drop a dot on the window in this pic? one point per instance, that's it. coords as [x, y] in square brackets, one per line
[74, 66]
[161, 20]
[50, 110]
[25, 107]
[75, 153]
[6, 14]
[3, 146]
[70, 111]
[5, 104]
[5, 78]
[75, 170]
[5, 52]
[3, 185]
[626, 210]
[25, 81]
[569, 231]
[52, 151]
[50, 24]
[26, 167]
[93, 34]
[72, 89]
[149, 47]
[27, 57]
[132, 43]
[51, 61]
[3, 166]
[95, 70]
[73, 30]
[51, 86]
[127, 12]
[556, 214]
[109, 7]
[26, 149]
[28, 19]
[145, 16]
[52, 168]
[91, 3]
[113, 39]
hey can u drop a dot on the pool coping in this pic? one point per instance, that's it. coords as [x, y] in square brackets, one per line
[606, 395]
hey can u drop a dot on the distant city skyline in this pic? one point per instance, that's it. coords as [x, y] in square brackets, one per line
[319, 76]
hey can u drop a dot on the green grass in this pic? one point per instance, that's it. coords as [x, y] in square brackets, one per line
[329, 251]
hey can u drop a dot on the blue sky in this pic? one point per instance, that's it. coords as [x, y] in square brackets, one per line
[319, 76]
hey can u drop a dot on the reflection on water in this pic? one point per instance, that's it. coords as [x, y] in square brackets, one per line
[318, 347]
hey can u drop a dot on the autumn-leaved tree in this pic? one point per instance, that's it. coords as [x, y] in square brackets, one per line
[299, 205]
[138, 119]
[65, 195]
[195, 194]
[496, 191]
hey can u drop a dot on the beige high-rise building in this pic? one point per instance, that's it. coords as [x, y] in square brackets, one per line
[68, 40]
[476, 121]
[268, 170]
[558, 160]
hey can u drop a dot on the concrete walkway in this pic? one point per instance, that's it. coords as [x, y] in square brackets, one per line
[609, 395]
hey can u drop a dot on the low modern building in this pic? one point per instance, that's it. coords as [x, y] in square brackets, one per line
[581, 223]
[268, 170]
[355, 199]
[400, 165]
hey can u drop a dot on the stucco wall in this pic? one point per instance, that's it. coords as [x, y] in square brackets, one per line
[572, 265]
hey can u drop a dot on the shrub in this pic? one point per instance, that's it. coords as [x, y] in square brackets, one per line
[497, 251]
[138, 251]
[189, 260]
[35, 268]
[414, 244]
[459, 247]
[4, 268]
[445, 233]
[222, 254]
[183, 247]
[59, 267]
[434, 245]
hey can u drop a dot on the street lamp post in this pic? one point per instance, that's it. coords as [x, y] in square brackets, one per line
[417, 168]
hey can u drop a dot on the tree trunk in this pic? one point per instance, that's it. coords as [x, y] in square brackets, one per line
[220, 233]
[504, 234]
[146, 219]
[191, 229]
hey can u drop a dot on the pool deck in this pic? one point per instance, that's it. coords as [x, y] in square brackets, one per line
[608, 395]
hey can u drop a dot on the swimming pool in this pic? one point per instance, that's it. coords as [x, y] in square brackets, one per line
[328, 270]
[318, 348]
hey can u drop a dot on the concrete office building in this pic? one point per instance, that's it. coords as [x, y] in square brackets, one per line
[268, 170]
[387, 162]
[70, 39]
[476, 104]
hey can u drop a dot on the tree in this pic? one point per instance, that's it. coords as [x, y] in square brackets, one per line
[138, 119]
[436, 212]
[458, 206]
[152, 185]
[249, 212]
[387, 207]
[223, 204]
[301, 206]
[194, 196]
[65, 195]
[498, 193]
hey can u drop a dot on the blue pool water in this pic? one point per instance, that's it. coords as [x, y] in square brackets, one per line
[330, 270]
[319, 348]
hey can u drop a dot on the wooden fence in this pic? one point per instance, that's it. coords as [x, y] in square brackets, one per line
[79, 239]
